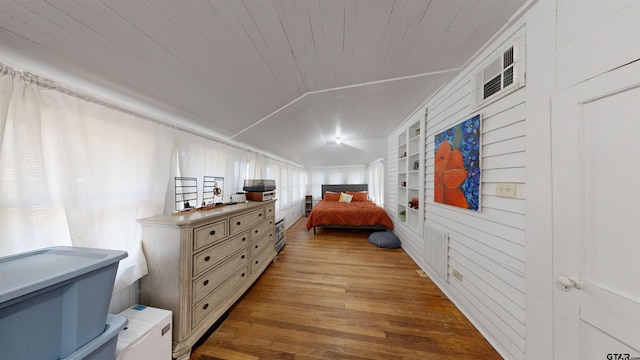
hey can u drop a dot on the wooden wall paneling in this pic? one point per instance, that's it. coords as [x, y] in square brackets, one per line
[582, 41]
[482, 318]
[478, 308]
[514, 144]
[503, 245]
[513, 205]
[510, 314]
[504, 133]
[503, 161]
[494, 275]
[480, 222]
[504, 175]
[454, 107]
[487, 247]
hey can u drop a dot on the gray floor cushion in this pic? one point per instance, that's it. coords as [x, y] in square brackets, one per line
[384, 239]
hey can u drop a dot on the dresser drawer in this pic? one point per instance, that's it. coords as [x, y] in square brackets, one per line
[209, 234]
[261, 260]
[212, 301]
[212, 278]
[270, 211]
[263, 228]
[267, 241]
[214, 254]
[242, 222]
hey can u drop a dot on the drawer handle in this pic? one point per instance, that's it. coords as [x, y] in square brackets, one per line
[238, 223]
[242, 275]
[256, 246]
[260, 214]
[207, 258]
[212, 232]
[256, 231]
[205, 283]
[205, 306]
[242, 257]
[244, 238]
[257, 261]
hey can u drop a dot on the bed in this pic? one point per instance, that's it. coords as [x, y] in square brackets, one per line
[358, 213]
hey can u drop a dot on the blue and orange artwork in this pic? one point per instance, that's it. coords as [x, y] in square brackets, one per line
[457, 165]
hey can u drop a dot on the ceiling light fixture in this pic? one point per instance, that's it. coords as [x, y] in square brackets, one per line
[338, 140]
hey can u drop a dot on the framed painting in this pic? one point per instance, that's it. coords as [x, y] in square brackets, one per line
[457, 165]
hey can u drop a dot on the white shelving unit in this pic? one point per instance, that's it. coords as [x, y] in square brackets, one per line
[411, 176]
[402, 176]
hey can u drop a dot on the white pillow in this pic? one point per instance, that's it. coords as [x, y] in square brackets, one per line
[345, 198]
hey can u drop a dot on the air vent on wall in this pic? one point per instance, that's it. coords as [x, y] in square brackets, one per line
[507, 65]
[498, 75]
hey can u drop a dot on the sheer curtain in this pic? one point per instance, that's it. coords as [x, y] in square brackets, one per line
[376, 182]
[335, 175]
[290, 181]
[199, 157]
[372, 175]
[74, 171]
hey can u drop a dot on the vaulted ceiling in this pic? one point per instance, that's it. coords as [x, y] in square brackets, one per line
[281, 77]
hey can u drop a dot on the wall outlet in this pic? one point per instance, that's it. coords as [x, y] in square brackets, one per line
[507, 190]
[456, 274]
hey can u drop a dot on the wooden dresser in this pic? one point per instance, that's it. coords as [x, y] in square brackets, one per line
[200, 263]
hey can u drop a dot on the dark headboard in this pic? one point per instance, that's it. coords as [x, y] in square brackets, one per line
[344, 187]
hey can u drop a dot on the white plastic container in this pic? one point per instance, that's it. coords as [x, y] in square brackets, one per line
[147, 336]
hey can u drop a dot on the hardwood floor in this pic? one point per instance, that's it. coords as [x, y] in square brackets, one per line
[335, 296]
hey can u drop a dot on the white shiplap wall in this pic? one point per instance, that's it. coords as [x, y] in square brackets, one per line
[487, 247]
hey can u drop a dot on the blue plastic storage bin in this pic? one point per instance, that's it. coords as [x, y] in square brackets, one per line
[104, 346]
[54, 300]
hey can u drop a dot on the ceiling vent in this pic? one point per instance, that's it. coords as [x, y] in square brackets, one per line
[498, 76]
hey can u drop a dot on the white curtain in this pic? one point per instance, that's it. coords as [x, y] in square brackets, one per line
[76, 172]
[335, 175]
[376, 182]
[290, 181]
[199, 157]
[373, 175]
[80, 172]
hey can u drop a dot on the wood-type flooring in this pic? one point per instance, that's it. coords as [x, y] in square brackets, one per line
[335, 296]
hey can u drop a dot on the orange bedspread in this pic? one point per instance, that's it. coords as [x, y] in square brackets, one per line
[355, 213]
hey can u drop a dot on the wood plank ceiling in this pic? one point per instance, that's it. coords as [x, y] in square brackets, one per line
[282, 77]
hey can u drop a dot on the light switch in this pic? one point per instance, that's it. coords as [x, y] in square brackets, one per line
[507, 190]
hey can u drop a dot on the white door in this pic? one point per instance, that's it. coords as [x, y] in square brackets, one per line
[596, 217]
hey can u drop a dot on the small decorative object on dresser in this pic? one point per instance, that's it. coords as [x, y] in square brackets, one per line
[200, 263]
[260, 189]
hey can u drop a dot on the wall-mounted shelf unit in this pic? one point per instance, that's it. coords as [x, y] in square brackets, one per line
[402, 176]
[411, 153]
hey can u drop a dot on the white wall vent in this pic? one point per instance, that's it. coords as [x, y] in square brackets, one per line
[436, 250]
[502, 73]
